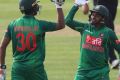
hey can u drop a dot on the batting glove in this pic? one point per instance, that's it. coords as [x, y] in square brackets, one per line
[80, 2]
[2, 74]
[58, 3]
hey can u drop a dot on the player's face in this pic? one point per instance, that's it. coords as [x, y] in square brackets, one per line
[96, 18]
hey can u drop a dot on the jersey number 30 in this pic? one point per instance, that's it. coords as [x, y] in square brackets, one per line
[25, 42]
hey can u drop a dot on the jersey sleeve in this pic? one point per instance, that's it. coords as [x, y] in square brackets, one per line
[48, 26]
[78, 26]
[8, 31]
[114, 41]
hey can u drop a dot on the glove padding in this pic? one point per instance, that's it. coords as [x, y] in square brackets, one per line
[58, 2]
[2, 74]
[81, 2]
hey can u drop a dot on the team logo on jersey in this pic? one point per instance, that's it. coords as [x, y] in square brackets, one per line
[93, 40]
[93, 44]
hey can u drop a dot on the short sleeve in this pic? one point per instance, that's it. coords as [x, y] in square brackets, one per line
[8, 31]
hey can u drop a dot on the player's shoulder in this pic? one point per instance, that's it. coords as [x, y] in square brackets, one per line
[108, 29]
[12, 23]
[44, 22]
[15, 20]
[41, 21]
[19, 19]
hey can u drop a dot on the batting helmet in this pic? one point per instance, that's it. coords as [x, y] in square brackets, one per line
[28, 5]
[102, 10]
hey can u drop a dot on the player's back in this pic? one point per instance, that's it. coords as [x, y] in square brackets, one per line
[27, 39]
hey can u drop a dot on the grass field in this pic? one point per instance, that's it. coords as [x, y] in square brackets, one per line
[62, 47]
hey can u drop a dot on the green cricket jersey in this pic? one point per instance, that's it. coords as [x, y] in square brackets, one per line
[94, 43]
[28, 37]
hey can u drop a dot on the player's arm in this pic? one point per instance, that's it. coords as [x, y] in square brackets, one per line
[69, 18]
[116, 44]
[60, 24]
[114, 41]
[4, 43]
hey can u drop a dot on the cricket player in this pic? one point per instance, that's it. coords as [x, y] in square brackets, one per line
[28, 41]
[95, 40]
[112, 7]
